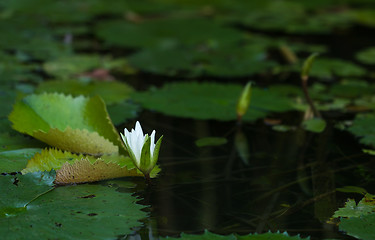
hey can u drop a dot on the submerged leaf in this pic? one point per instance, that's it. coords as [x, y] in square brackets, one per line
[75, 124]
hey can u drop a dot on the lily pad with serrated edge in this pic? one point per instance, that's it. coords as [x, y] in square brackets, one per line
[73, 168]
[84, 122]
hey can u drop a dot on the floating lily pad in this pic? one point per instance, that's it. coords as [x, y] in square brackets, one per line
[14, 69]
[351, 209]
[111, 92]
[75, 124]
[70, 212]
[229, 61]
[362, 127]
[326, 68]
[292, 17]
[359, 227]
[73, 168]
[120, 112]
[212, 236]
[365, 17]
[167, 32]
[213, 100]
[27, 36]
[15, 160]
[367, 55]
[66, 67]
[17, 191]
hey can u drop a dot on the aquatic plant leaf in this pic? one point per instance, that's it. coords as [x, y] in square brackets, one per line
[351, 88]
[75, 124]
[351, 209]
[86, 171]
[326, 68]
[69, 212]
[213, 100]
[166, 32]
[208, 235]
[362, 127]
[18, 190]
[74, 66]
[76, 140]
[120, 112]
[14, 69]
[68, 66]
[16, 141]
[292, 17]
[15, 160]
[219, 61]
[271, 236]
[352, 189]
[111, 92]
[365, 16]
[359, 227]
[210, 141]
[73, 168]
[316, 125]
[367, 55]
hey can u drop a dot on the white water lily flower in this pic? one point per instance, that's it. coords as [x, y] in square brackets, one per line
[142, 148]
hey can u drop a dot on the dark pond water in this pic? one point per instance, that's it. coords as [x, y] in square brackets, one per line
[287, 181]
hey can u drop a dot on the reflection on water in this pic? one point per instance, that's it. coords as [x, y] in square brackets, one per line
[286, 182]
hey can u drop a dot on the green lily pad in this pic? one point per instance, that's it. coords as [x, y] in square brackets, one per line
[367, 55]
[213, 100]
[29, 37]
[212, 236]
[75, 124]
[72, 168]
[14, 69]
[362, 127]
[292, 17]
[166, 32]
[17, 141]
[69, 66]
[218, 61]
[111, 92]
[70, 212]
[359, 227]
[19, 190]
[365, 17]
[120, 112]
[14, 160]
[326, 68]
[352, 209]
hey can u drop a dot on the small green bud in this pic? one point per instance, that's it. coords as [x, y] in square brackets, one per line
[244, 101]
